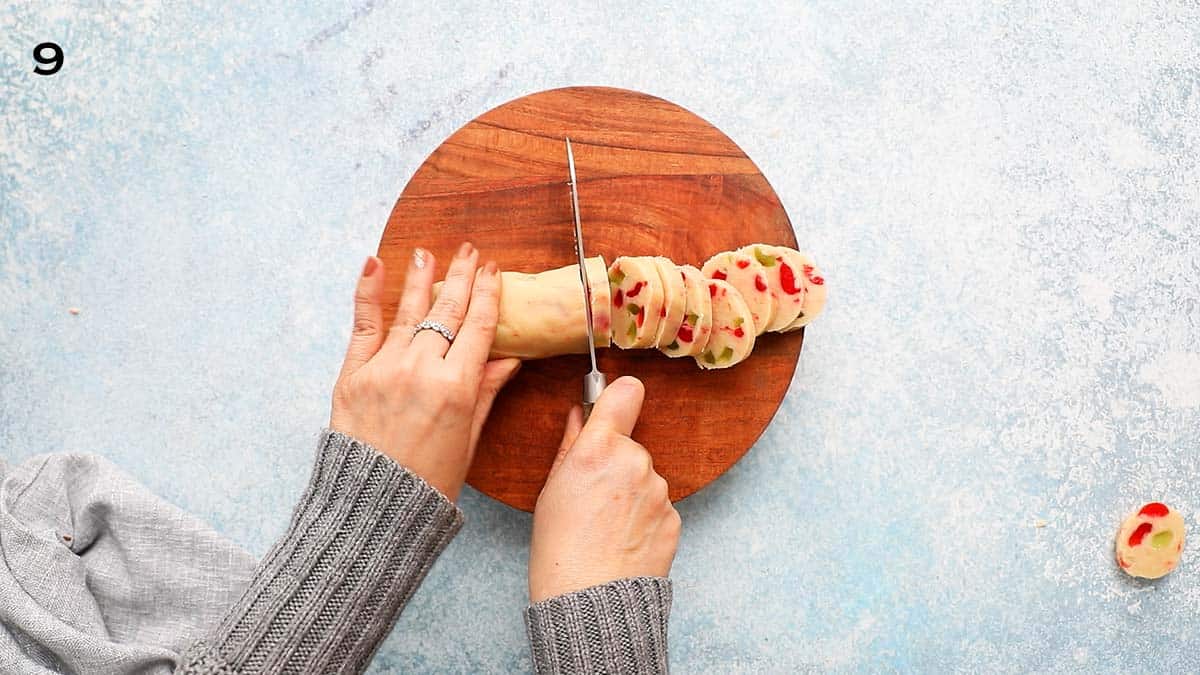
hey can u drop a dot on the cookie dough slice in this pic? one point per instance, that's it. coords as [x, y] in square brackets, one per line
[745, 274]
[732, 337]
[783, 266]
[542, 315]
[674, 301]
[637, 300]
[1150, 541]
[692, 336]
[814, 293]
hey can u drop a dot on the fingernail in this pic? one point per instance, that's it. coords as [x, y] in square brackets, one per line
[371, 265]
[419, 257]
[465, 249]
[490, 267]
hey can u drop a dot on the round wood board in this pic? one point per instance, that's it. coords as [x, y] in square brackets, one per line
[654, 179]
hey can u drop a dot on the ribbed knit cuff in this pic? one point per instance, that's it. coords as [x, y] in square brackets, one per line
[360, 541]
[617, 627]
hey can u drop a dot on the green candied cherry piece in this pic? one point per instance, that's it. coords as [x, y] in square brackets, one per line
[738, 321]
[634, 309]
[674, 345]
[1162, 539]
[616, 277]
[764, 259]
[709, 358]
[726, 354]
[632, 332]
[693, 319]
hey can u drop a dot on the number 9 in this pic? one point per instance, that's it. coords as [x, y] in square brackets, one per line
[55, 61]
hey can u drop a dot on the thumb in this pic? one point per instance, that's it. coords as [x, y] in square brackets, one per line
[496, 374]
[570, 433]
[619, 406]
[368, 333]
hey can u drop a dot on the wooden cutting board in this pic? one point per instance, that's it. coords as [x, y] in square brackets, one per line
[654, 179]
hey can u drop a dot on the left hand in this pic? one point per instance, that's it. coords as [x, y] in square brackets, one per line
[418, 398]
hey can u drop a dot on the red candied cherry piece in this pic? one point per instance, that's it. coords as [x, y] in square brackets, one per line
[760, 284]
[685, 333]
[1154, 510]
[1139, 534]
[738, 332]
[743, 264]
[720, 275]
[662, 311]
[637, 288]
[817, 280]
[787, 280]
[712, 290]
[641, 317]
[619, 298]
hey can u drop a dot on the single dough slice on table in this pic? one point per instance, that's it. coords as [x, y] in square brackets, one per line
[784, 268]
[814, 294]
[1150, 541]
[674, 301]
[692, 336]
[732, 337]
[542, 315]
[637, 299]
[745, 274]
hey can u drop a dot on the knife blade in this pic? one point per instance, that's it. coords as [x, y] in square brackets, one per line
[594, 382]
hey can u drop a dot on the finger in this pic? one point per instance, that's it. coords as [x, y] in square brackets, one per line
[368, 333]
[618, 407]
[478, 330]
[415, 299]
[451, 303]
[574, 426]
[496, 374]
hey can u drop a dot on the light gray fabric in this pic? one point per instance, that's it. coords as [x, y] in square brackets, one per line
[617, 627]
[98, 575]
[361, 540]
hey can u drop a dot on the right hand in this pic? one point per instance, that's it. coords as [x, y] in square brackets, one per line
[604, 513]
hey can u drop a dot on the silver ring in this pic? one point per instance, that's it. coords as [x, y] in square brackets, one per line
[437, 327]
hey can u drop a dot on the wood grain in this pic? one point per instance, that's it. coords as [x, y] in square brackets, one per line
[654, 179]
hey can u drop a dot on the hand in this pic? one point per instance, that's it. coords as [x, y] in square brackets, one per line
[604, 513]
[418, 398]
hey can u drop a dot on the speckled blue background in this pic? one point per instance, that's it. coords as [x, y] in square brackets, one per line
[1005, 199]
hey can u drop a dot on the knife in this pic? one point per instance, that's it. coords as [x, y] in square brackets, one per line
[594, 382]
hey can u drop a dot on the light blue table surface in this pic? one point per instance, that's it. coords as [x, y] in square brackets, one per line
[1005, 199]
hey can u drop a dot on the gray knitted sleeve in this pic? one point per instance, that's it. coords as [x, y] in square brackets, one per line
[360, 542]
[617, 627]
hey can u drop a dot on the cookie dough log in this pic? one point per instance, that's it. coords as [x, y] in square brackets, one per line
[692, 336]
[745, 274]
[1150, 541]
[732, 337]
[542, 315]
[637, 300]
[784, 267]
[814, 293]
[674, 301]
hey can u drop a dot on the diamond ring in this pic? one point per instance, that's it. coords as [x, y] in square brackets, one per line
[437, 327]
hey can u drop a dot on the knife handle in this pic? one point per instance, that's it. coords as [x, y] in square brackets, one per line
[593, 383]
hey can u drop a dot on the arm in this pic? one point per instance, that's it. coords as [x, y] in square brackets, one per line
[604, 536]
[378, 509]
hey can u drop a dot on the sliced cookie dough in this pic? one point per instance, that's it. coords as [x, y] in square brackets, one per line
[1150, 541]
[745, 274]
[732, 337]
[783, 267]
[692, 336]
[814, 294]
[670, 312]
[637, 299]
